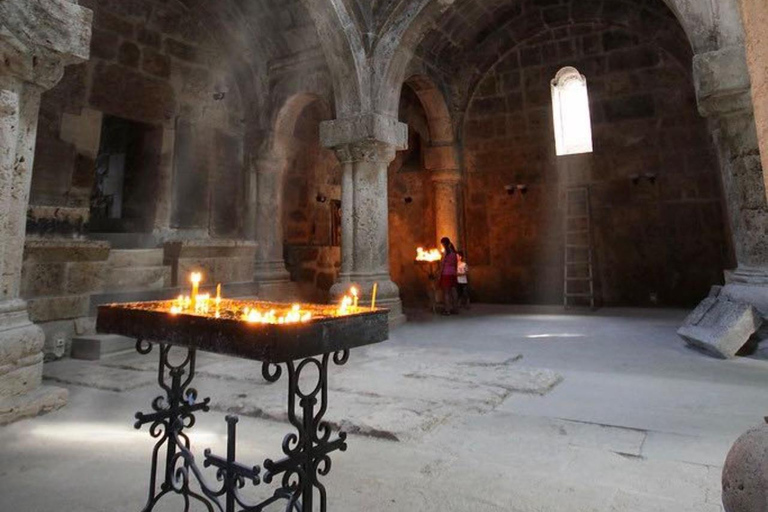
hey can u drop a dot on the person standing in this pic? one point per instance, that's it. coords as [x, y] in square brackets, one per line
[448, 277]
[462, 272]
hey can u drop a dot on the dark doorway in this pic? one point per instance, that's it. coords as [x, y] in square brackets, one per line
[124, 198]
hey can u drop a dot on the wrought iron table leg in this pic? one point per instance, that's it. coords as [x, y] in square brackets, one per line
[171, 414]
[308, 450]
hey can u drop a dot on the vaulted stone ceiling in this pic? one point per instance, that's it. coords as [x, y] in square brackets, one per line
[255, 34]
[271, 28]
[480, 31]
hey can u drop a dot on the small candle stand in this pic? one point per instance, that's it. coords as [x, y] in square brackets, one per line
[429, 263]
[293, 336]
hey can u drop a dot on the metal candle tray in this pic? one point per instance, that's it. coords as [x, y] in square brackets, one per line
[230, 335]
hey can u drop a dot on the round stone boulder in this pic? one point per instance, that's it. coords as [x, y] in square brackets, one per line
[745, 474]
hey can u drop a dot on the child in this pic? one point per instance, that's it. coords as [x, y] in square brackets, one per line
[462, 281]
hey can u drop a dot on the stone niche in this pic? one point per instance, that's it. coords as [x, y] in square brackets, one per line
[57, 280]
[220, 261]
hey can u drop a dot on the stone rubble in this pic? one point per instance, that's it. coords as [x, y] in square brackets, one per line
[720, 327]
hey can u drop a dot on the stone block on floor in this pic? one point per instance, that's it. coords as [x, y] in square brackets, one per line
[92, 375]
[94, 347]
[720, 327]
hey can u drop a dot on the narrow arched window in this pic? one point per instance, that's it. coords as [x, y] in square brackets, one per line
[570, 110]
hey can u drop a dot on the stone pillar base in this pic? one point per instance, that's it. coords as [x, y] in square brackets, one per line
[39, 401]
[387, 295]
[21, 366]
[748, 285]
[275, 282]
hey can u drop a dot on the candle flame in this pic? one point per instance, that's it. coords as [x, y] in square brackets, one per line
[428, 255]
[292, 316]
[344, 307]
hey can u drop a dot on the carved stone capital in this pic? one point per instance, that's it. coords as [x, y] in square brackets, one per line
[722, 81]
[365, 151]
[446, 177]
[369, 126]
[440, 157]
[38, 38]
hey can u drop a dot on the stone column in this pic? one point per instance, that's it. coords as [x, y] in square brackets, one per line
[442, 163]
[37, 39]
[365, 146]
[447, 215]
[365, 224]
[723, 89]
[755, 16]
[270, 273]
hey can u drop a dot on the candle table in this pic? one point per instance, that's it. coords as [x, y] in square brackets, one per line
[314, 336]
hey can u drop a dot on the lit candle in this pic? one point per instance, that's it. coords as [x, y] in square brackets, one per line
[218, 299]
[373, 297]
[201, 304]
[354, 298]
[195, 277]
[345, 303]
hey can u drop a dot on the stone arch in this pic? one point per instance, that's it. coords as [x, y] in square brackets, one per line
[297, 194]
[440, 158]
[407, 25]
[433, 101]
[497, 46]
[707, 25]
[345, 54]
[285, 120]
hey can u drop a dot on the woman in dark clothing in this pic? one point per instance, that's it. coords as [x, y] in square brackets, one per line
[448, 273]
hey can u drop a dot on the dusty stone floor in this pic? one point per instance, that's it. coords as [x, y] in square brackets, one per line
[502, 409]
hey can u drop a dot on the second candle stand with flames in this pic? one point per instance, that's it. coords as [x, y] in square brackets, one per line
[429, 261]
[294, 336]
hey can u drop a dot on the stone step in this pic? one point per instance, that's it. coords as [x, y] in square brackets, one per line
[96, 346]
[138, 278]
[127, 240]
[129, 258]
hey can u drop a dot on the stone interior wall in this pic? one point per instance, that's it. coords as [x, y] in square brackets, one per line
[312, 185]
[314, 268]
[152, 62]
[220, 261]
[411, 222]
[663, 237]
[57, 280]
[156, 67]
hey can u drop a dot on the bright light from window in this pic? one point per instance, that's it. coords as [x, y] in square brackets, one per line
[570, 110]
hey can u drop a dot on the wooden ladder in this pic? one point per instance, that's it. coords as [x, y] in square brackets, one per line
[579, 283]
